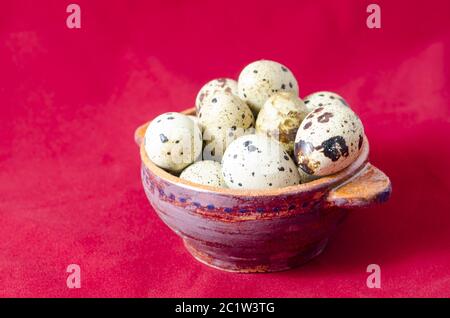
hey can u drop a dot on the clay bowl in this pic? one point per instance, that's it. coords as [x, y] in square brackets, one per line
[260, 230]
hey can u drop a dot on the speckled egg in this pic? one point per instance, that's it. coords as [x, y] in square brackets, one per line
[280, 118]
[328, 140]
[217, 85]
[223, 117]
[261, 79]
[258, 162]
[173, 141]
[194, 119]
[323, 98]
[206, 172]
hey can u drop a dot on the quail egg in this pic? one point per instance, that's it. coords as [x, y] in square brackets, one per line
[258, 162]
[328, 140]
[217, 85]
[194, 119]
[206, 172]
[223, 117]
[261, 79]
[173, 141]
[323, 98]
[280, 118]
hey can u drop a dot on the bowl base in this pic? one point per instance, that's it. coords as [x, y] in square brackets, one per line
[277, 264]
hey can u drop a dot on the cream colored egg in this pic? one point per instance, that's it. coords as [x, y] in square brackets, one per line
[194, 119]
[261, 79]
[323, 98]
[280, 118]
[328, 140]
[206, 172]
[173, 141]
[258, 162]
[227, 85]
[223, 117]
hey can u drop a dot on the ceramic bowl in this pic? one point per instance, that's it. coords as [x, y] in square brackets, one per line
[260, 230]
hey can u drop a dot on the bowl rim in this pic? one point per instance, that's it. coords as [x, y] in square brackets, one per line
[323, 182]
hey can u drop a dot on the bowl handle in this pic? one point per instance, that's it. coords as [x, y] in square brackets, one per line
[139, 134]
[369, 186]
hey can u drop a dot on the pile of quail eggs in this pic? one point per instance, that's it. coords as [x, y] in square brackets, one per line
[256, 133]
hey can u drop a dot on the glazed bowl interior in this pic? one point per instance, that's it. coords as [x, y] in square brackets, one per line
[324, 182]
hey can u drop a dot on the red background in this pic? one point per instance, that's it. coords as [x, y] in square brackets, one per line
[69, 169]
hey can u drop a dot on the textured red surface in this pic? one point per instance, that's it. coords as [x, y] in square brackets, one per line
[70, 100]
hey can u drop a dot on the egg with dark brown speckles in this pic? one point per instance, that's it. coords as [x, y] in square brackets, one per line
[323, 98]
[329, 139]
[227, 85]
[223, 117]
[280, 118]
[258, 162]
[261, 79]
[173, 141]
